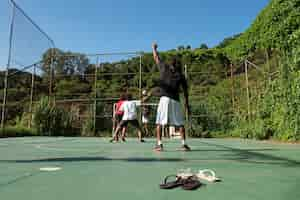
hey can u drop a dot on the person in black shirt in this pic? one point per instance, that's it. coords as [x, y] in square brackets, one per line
[169, 111]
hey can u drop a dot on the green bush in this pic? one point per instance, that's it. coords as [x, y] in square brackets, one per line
[17, 131]
[52, 120]
[88, 128]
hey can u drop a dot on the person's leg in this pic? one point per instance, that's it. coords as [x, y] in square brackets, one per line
[136, 124]
[184, 146]
[146, 129]
[120, 126]
[182, 133]
[158, 133]
[159, 145]
[167, 132]
[161, 119]
[116, 132]
[144, 125]
[118, 120]
[177, 118]
[124, 133]
[140, 136]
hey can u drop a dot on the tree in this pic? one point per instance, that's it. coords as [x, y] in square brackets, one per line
[180, 48]
[51, 58]
[74, 64]
[227, 41]
[62, 63]
[203, 46]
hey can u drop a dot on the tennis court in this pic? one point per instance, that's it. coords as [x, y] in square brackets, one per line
[93, 168]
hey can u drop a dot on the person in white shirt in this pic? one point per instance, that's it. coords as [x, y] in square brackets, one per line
[146, 111]
[130, 116]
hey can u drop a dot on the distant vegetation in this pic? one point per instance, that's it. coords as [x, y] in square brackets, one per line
[272, 42]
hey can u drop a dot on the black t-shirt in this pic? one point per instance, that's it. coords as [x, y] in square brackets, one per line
[170, 82]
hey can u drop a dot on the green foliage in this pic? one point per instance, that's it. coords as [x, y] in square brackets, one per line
[17, 131]
[64, 63]
[88, 127]
[72, 88]
[203, 46]
[18, 92]
[278, 114]
[274, 100]
[213, 114]
[278, 23]
[227, 41]
[52, 120]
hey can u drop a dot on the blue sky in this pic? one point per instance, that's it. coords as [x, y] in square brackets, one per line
[97, 26]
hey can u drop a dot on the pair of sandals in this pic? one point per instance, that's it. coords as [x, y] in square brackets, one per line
[205, 174]
[189, 183]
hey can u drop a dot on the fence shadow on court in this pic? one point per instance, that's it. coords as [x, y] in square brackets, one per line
[94, 159]
[231, 154]
[254, 156]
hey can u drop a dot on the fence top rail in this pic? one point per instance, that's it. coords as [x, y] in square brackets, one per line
[199, 72]
[86, 100]
[98, 74]
[136, 53]
[25, 68]
[256, 67]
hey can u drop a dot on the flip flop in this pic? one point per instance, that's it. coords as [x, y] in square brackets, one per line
[185, 173]
[208, 175]
[191, 183]
[171, 184]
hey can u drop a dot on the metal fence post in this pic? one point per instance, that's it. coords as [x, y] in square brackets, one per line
[186, 112]
[232, 87]
[31, 96]
[51, 75]
[95, 95]
[247, 88]
[8, 66]
[140, 84]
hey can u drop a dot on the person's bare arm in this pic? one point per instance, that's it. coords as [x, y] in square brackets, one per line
[155, 54]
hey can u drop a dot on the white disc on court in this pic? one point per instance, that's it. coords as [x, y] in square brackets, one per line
[50, 169]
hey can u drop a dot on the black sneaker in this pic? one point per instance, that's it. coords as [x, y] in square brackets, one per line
[111, 140]
[158, 148]
[185, 148]
[142, 140]
[123, 139]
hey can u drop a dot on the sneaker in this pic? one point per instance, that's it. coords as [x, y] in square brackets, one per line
[158, 148]
[114, 140]
[142, 140]
[185, 148]
[123, 139]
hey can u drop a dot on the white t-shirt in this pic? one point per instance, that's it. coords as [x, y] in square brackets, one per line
[129, 109]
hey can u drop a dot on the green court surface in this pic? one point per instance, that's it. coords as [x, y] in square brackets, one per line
[93, 168]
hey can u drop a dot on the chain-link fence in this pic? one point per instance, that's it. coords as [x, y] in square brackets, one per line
[26, 77]
[88, 86]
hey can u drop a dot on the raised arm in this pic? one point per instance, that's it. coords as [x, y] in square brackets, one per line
[155, 54]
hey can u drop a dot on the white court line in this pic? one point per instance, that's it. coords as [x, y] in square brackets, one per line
[14, 141]
[64, 149]
[48, 141]
[50, 169]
